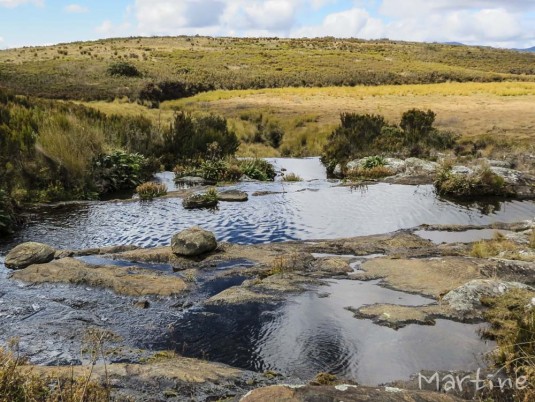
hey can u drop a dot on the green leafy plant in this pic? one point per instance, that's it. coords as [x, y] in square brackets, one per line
[291, 177]
[373, 161]
[257, 169]
[120, 171]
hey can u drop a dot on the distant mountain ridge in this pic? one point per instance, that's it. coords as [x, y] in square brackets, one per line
[529, 49]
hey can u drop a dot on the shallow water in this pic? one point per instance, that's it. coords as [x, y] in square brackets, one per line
[467, 236]
[313, 333]
[316, 209]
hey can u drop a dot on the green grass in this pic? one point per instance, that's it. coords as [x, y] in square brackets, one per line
[82, 70]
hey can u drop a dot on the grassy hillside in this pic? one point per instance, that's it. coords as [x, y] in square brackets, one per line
[308, 115]
[185, 65]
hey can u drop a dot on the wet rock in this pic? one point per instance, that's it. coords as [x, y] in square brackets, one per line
[125, 281]
[193, 242]
[27, 254]
[496, 163]
[264, 193]
[342, 392]
[239, 295]
[467, 297]
[192, 181]
[142, 304]
[199, 201]
[232, 196]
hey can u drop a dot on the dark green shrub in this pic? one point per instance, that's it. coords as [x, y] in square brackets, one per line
[123, 69]
[7, 216]
[257, 169]
[191, 139]
[373, 161]
[120, 171]
[482, 182]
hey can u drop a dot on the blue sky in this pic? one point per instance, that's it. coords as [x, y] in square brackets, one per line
[486, 22]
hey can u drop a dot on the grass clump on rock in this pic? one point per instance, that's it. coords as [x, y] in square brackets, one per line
[480, 182]
[209, 199]
[150, 190]
[292, 177]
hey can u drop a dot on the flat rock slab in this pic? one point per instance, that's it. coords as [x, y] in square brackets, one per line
[233, 196]
[346, 393]
[428, 276]
[124, 281]
[26, 254]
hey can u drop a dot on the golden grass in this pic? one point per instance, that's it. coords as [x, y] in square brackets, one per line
[308, 115]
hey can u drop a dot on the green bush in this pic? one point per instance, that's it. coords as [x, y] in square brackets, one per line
[7, 215]
[291, 177]
[361, 135]
[123, 69]
[373, 161]
[190, 139]
[257, 169]
[120, 171]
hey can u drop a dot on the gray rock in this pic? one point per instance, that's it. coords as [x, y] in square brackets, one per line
[337, 172]
[397, 165]
[199, 201]
[233, 196]
[467, 297]
[419, 166]
[27, 254]
[496, 163]
[192, 181]
[509, 175]
[193, 242]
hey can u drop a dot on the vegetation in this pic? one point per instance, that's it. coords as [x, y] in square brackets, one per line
[373, 173]
[501, 247]
[171, 68]
[481, 182]
[18, 383]
[512, 319]
[363, 134]
[150, 190]
[291, 177]
[209, 199]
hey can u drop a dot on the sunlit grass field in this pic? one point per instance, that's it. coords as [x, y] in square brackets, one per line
[308, 115]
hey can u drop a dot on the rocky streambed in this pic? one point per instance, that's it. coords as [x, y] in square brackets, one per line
[236, 314]
[370, 310]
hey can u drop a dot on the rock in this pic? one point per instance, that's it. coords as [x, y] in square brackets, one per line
[357, 163]
[333, 266]
[239, 295]
[419, 166]
[467, 297]
[337, 172]
[496, 163]
[509, 175]
[199, 201]
[232, 196]
[342, 392]
[247, 179]
[27, 254]
[192, 181]
[129, 281]
[264, 193]
[142, 304]
[193, 242]
[396, 165]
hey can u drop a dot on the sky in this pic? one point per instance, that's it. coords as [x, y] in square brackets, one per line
[499, 23]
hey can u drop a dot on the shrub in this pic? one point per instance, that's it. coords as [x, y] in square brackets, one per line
[6, 213]
[190, 139]
[120, 171]
[123, 69]
[532, 238]
[257, 169]
[151, 190]
[291, 177]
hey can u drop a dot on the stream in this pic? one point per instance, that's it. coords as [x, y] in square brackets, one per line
[308, 333]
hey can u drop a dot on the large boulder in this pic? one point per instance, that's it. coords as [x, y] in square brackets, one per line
[199, 201]
[193, 242]
[27, 254]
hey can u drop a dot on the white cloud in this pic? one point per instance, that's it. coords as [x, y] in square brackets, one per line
[76, 9]
[109, 29]
[486, 22]
[16, 3]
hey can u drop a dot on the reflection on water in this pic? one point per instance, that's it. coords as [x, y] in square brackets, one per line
[312, 334]
[306, 210]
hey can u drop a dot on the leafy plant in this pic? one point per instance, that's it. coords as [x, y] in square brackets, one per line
[291, 177]
[481, 182]
[257, 169]
[373, 161]
[120, 171]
